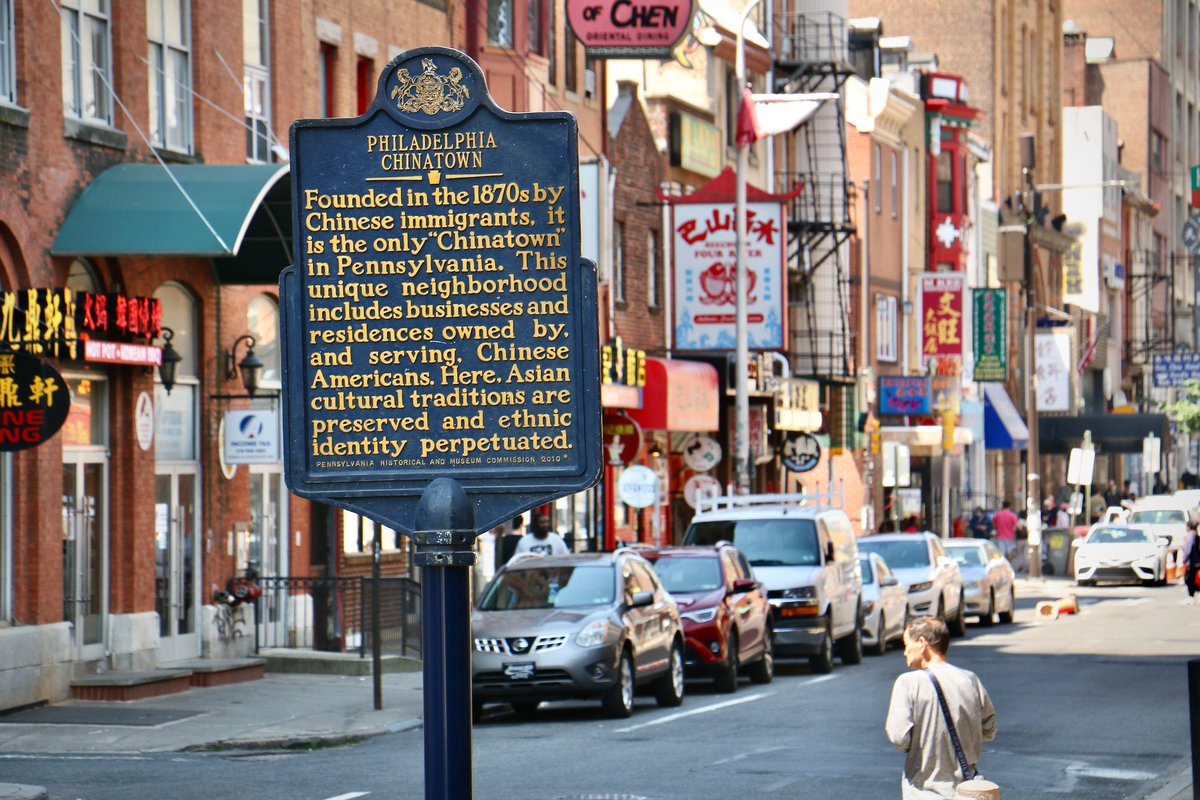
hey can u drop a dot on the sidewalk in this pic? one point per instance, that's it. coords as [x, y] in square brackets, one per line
[281, 710]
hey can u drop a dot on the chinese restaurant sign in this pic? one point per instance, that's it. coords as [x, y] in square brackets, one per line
[1054, 368]
[941, 316]
[34, 400]
[989, 325]
[706, 276]
[1175, 369]
[629, 29]
[904, 394]
[438, 320]
[53, 321]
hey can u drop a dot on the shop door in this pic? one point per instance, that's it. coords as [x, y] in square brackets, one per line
[268, 552]
[85, 552]
[176, 561]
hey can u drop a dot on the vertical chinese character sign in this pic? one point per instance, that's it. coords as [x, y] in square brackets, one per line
[941, 317]
[989, 324]
[706, 276]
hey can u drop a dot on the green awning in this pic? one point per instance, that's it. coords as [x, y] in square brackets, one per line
[137, 209]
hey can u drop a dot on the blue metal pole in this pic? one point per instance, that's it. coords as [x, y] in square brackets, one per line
[443, 535]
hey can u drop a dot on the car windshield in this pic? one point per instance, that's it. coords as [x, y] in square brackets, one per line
[765, 542]
[688, 574]
[550, 587]
[1157, 516]
[868, 574]
[1118, 536]
[967, 556]
[898, 554]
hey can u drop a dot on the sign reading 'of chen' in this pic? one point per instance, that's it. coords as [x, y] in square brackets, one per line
[439, 321]
[629, 28]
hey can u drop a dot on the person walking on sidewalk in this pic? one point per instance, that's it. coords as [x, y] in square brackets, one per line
[923, 703]
[542, 539]
[1004, 522]
[1191, 562]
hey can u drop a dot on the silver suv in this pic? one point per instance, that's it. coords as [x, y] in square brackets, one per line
[804, 551]
[589, 625]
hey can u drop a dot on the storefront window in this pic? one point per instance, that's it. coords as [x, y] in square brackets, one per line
[358, 535]
[262, 320]
[87, 418]
[175, 412]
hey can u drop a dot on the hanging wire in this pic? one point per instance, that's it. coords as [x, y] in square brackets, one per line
[141, 134]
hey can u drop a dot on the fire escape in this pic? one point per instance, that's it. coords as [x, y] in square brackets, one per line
[811, 56]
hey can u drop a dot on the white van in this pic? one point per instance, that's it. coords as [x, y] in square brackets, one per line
[803, 549]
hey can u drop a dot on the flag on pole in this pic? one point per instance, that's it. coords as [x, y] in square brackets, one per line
[763, 115]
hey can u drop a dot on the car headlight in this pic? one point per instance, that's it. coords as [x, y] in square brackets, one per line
[1149, 559]
[800, 593]
[920, 587]
[594, 634]
[703, 615]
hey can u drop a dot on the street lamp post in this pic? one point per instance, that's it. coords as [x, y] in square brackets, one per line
[1033, 520]
[742, 351]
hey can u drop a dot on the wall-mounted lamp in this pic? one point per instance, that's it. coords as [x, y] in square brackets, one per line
[250, 367]
[655, 450]
[170, 360]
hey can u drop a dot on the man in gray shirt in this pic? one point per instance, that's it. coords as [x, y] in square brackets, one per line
[915, 722]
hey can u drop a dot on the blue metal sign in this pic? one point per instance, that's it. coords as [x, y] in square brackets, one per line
[904, 394]
[438, 321]
[1175, 369]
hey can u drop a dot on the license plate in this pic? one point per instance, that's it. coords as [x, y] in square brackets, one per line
[519, 672]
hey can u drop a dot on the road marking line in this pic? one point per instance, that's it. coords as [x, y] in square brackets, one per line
[41, 757]
[783, 784]
[348, 796]
[741, 756]
[1106, 774]
[716, 706]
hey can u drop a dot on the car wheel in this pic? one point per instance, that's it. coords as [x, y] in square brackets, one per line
[880, 637]
[850, 648]
[822, 660]
[618, 701]
[726, 678]
[763, 670]
[668, 690]
[1006, 617]
[525, 708]
[989, 616]
[958, 625]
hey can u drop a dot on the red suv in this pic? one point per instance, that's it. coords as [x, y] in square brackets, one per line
[725, 612]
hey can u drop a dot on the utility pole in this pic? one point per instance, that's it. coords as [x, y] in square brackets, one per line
[1033, 519]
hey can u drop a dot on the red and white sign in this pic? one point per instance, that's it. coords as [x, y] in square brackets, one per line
[622, 438]
[146, 355]
[629, 28]
[706, 276]
[942, 327]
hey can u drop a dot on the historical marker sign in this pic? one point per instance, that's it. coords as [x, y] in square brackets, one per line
[438, 320]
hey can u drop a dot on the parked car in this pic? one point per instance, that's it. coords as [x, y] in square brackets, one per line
[804, 551]
[987, 578]
[932, 578]
[589, 625]
[725, 612]
[1120, 553]
[1165, 515]
[885, 604]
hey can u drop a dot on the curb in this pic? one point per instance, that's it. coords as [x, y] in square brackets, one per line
[1176, 787]
[296, 742]
[16, 791]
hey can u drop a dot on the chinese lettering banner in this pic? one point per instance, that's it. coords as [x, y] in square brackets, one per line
[941, 316]
[706, 276]
[1054, 368]
[989, 324]
[52, 321]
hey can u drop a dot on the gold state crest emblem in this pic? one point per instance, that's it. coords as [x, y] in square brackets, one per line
[429, 91]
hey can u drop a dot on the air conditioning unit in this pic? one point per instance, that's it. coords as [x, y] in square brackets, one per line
[589, 83]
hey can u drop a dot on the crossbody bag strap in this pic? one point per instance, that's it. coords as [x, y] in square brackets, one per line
[967, 772]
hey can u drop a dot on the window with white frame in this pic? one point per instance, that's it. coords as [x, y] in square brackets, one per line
[358, 535]
[895, 185]
[8, 58]
[500, 23]
[877, 178]
[87, 60]
[170, 57]
[256, 80]
[652, 269]
[885, 327]
[618, 286]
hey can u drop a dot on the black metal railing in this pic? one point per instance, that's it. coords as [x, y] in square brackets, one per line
[335, 614]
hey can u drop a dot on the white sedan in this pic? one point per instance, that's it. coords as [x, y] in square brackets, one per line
[885, 604]
[1120, 553]
[987, 578]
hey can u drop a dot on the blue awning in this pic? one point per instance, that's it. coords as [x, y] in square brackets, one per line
[237, 214]
[1003, 428]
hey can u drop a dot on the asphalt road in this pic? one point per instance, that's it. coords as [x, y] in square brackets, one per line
[1091, 706]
